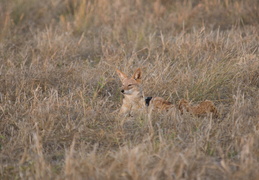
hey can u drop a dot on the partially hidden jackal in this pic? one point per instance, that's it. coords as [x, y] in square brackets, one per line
[134, 100]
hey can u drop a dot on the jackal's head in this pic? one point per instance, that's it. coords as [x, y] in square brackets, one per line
[130, 86]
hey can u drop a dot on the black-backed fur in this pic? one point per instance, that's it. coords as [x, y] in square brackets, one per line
[147, 100]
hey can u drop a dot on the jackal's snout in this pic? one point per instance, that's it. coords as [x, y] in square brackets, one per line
[126, 91]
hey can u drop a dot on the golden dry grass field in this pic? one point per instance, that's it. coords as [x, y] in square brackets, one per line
[60, 94]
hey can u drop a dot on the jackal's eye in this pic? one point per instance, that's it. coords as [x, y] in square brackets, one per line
[130, 85]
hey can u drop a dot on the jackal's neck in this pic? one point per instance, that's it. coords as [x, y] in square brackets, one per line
[137, 97]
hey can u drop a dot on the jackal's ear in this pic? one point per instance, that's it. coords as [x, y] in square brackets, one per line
[137, 75]
[121, 75]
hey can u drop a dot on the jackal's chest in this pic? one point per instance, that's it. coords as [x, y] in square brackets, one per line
[133, 107]
[140, 106]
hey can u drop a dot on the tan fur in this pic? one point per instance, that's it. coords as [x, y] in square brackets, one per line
[205, 107]
[133, 101]
[159, 103]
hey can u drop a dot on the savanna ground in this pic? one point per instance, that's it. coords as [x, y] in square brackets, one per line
[59, 92]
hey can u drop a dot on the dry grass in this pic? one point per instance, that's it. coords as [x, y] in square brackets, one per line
[59, 91]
